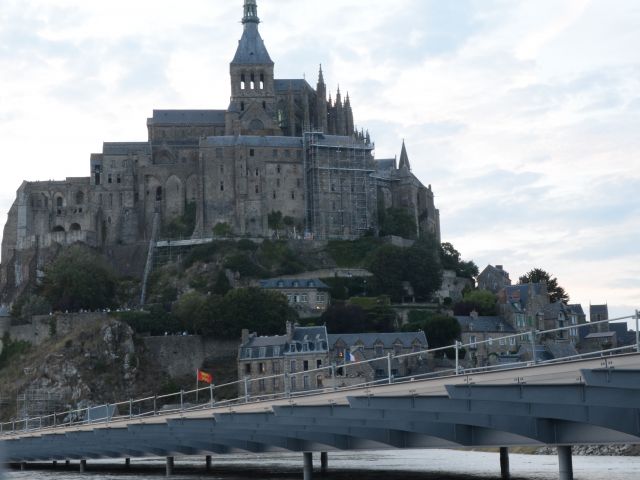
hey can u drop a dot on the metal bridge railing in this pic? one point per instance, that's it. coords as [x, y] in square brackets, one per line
[205, 398]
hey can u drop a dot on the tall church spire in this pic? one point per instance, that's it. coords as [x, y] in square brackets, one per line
[404, 158]
[250, 12]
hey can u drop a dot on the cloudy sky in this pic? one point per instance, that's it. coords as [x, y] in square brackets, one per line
[523, 115]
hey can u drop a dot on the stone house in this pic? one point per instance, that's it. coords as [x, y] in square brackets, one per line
[599, 313]
[308, 296]
[484, 336]
[453, 286]
[493, 278]
[561, 315]
[305, 358]
[595, 342]
[522, 306]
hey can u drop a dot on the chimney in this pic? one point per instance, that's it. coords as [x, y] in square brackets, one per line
[289, 331]
[499, 267]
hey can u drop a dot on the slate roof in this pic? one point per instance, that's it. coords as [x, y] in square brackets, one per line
[299, 333]
[576, 308]
[125, 148]
[272, 341]
[188, 117]
[600, 335]
[388, 339]
[254, 141]
[251, 49]
[295, 84]
[484, 324]
[385, 164]
[311, 283]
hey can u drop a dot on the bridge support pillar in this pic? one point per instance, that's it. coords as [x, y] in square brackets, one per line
[23, 466]
[308, 465]
[54, 464]
[83, 466]
[324, 463]
[67, 462]
[208, 463]
[565, 462]
[504, 463]
[127, 463]
[170, 464]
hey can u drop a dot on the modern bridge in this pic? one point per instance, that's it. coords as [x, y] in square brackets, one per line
[595, 401]
[579, 401]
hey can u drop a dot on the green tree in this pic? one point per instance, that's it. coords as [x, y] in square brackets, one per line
[440, 330]
[388, 267]
[34, 305]
[452, 260]
[222, 229]
[251, 308]
[222, 285]
[423, 267]
[274, 220]
[482, 301]
[399, 222]
[538, 275]
[345, 318]
[190, 310]
[79, 279]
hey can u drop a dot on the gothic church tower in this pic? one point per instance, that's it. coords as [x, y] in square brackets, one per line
[253, 101]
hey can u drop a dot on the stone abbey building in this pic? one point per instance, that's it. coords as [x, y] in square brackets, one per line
[280, 146]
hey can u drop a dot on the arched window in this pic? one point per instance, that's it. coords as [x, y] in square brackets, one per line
[158, 194]
[59, 202]
[75, 227]
[58, 229]
[80, 198]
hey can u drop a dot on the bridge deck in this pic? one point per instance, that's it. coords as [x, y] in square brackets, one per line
[581, 402]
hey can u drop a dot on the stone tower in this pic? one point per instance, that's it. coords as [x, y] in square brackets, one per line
[253, 99]
[321, 100]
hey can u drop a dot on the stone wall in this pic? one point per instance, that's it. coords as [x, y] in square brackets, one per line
[181, 356]
[39, 328]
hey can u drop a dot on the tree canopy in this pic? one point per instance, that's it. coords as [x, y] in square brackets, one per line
[482, 301]
[452, 260]
[397, 221]
[440, 330]
[79, 279]
[538, 275]
[418, 265]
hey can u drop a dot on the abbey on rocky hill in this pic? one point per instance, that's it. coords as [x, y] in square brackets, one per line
[280, 146]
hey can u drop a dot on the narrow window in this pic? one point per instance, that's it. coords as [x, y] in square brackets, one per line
[158, 194]
[264, 105]
[242, 82]
[252, 152]
[109, 179]
[262, 81]
[257, 172]
[242, 106]
[257, 189]
[278, 168]
[222, 186]
[253, 82]
[118, 178]
[293, 195]
[275, 195]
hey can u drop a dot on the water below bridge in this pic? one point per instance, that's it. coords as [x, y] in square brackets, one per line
[386, 465]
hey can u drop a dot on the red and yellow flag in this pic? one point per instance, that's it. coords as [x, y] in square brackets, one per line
[205, 377]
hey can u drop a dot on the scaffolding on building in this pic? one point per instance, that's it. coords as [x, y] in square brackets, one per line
[37, 402]
[341, 194]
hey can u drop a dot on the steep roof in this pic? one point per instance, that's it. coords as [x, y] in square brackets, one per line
[277, 283]
[253, 141]
[520, 293]
[484, 324]
[188, 117]
[299, 333]
[369, 340]
[251, 49]
[296, 85]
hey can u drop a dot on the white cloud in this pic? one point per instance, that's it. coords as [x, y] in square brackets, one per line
[522, 115]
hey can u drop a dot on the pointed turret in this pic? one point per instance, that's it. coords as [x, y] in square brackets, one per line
[404, 158]
[321, 103]
[251, 49]
[340, 117]
[348, 114]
